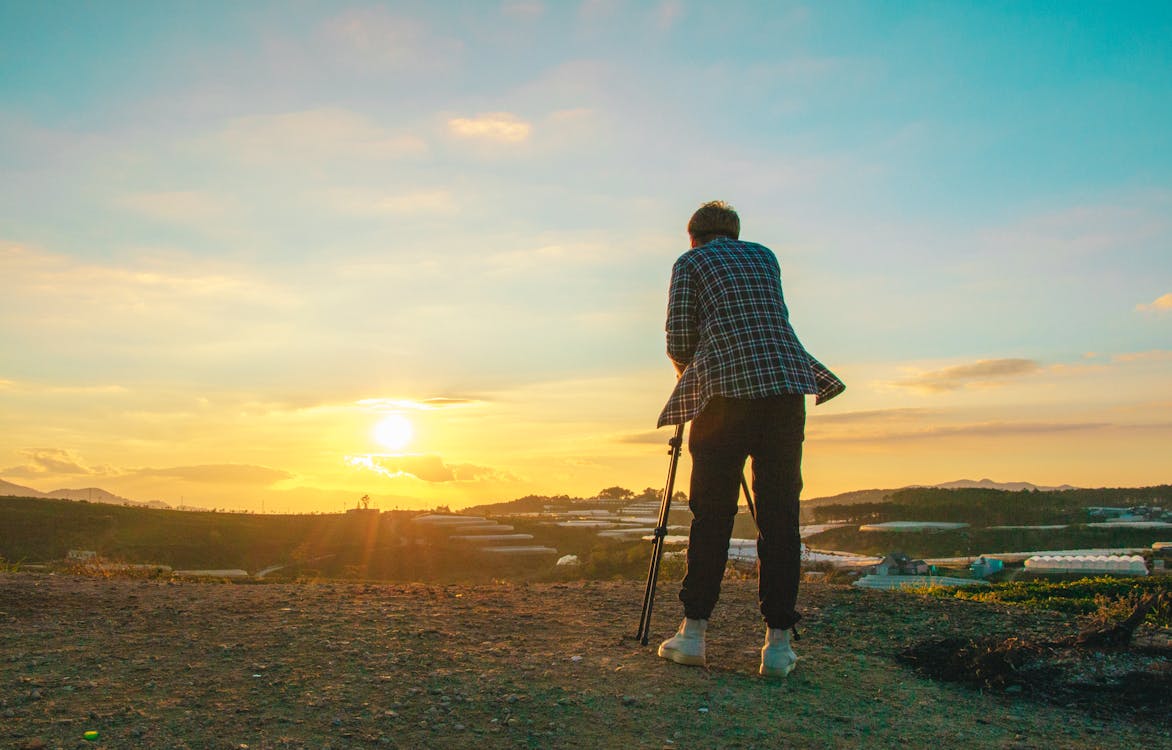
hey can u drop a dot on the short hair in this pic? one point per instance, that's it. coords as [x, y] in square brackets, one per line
[714, 219]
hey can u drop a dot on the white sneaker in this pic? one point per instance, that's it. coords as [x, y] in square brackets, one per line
[687, 645]
[777, 656]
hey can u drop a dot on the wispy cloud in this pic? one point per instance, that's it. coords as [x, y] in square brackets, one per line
[324, 133]
[52, 461]
[492, 126]
[523, 8]
[980, 430]
[182, 206]
[219, 474]
[533, 259]
[44, 462]
[426, 404]
[1154, 355]
[1086, 230]
[1160, 304]
[557, 251]
[640, 438]
[53, 389]
[374, 37]
[982, 373]
[374, 203]
[872, 416]
[96, 291]
[427, 468]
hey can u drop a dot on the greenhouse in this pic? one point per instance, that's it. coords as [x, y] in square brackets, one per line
[1128, 565]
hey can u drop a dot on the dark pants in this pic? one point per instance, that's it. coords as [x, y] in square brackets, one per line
[724, 434]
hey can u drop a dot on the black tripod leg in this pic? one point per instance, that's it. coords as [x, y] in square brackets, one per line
[749, 498]
[676, 445]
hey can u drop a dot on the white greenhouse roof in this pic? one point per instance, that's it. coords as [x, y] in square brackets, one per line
[912, 526]
[1130, 564]
[445, 519]
[491, 538]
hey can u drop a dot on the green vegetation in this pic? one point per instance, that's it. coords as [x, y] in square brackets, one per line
[982, 509]
[354, 545]
[42, 530]
[388, 546]
[358, 544]
[1086, 596]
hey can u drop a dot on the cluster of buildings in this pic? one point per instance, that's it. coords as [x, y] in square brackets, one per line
[637, 518]
[897, 570]
[1138, 516]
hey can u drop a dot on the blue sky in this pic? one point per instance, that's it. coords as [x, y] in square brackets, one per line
[280, 221]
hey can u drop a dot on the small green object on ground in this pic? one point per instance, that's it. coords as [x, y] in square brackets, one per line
[91, 735]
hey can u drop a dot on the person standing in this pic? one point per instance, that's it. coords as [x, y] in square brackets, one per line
[743, 376]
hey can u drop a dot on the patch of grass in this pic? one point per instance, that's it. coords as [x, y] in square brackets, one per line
[1099, 596]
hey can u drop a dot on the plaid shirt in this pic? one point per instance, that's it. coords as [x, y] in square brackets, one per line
[728, 331]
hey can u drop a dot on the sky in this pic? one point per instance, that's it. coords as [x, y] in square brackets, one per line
[275, 256]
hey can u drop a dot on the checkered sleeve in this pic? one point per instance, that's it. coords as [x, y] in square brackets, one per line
[828, 383]
[682, 332]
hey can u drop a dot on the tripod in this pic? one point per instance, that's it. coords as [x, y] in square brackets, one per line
[657, 541]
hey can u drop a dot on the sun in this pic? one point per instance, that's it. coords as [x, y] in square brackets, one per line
[394, 432]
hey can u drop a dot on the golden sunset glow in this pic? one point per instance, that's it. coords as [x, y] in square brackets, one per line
[394, 432]
[422, 253]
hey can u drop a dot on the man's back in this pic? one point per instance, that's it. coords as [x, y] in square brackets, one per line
[728, 329]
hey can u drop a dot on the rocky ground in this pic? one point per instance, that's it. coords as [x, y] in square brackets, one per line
[158, 664]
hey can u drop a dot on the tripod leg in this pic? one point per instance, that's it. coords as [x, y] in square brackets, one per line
[676, 445]
[749, 498]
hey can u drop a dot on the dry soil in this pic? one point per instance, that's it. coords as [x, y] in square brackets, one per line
[159, 664]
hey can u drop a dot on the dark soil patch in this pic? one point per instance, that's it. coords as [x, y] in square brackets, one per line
[1134, 682]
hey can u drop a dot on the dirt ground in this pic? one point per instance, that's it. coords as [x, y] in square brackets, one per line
[157, 664]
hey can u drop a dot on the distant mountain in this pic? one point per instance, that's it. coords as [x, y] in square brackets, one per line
[16, 490]
[92, 494]
[989, 484]
[89, 494]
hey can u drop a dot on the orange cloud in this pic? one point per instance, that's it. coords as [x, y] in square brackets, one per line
[220, 474]
[1154, 355]
[428, 468]
[1161, 303]
[325, 133]
[51, 461]
[493, 126]
[874, 415]
[435, 402]
[979, 430]
[985, 372]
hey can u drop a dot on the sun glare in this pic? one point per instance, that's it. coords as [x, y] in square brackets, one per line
[394, 432]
